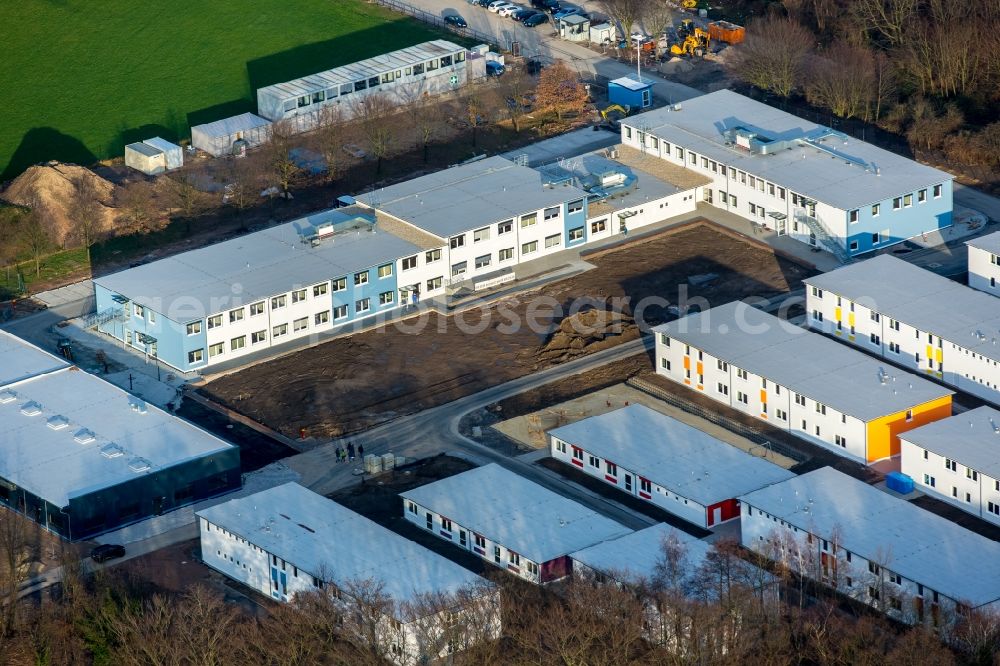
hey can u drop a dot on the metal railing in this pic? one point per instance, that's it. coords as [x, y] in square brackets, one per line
[823, 236]
[104, 316]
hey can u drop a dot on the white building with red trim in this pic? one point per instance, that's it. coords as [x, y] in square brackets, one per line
[654, 457]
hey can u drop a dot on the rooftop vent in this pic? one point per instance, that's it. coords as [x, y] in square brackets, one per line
[7, 396]
[112, 451]
[139, 465]
[84, 436]
[57, 422]
[138, 406]
[31, 408]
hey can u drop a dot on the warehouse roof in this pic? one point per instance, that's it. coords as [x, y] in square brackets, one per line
[671, 454]
[972, 438]
[521, 515]
[804, 157]
[68, 433]
[327, 539]
[989, 242]
[362, 69]
[917, 544]
[260, 265]
[829, 372]
[20, 360]
[920, 298]
[230, 126]
[635, 557]
[469, 196]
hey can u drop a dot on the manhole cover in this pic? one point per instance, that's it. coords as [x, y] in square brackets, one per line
[934, 264]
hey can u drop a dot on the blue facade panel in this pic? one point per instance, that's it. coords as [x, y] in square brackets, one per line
[933, 214]
[575, 222]
[635, 99]
[372, 290]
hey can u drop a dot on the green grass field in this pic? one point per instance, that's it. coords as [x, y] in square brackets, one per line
[83, 77]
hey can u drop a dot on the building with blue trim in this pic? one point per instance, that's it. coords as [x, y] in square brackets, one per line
[784, 173]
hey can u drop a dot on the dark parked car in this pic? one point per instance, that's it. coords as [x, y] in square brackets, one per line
[537, 19]
[456, 20]
[523, 14]
[543, 4]
[534, 66]
[107, 551]
[495, 69]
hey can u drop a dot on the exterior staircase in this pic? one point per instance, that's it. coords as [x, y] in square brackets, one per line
[95, 319]
[830, 243]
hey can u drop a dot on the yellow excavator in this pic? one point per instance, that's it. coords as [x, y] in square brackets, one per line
[694, 42]
[606, 113]
[689, 4]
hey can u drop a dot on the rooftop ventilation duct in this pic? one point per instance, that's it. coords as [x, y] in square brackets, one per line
[7, 396]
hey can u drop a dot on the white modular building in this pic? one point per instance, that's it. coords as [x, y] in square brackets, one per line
[796, 380]
[231, 136]
[288, 540]
[907, 562]
[508, 520]
[404, 76]
[913, 318]
[815, 184]
[958, 460]
[154, 156]
[663, 461]
[984, 263]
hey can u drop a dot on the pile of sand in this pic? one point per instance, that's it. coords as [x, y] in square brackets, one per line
[51, 186]
[585, 332]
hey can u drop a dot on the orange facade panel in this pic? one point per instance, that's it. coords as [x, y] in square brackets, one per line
[883, 433]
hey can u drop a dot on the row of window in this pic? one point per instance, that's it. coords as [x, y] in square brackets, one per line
[503, 228]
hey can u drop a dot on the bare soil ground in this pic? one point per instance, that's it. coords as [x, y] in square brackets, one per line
[350, 384]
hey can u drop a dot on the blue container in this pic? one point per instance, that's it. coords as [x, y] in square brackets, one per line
[899, 482]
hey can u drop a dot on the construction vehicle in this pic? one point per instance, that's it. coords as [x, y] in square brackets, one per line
[694, 43]
[724, 31]
[689, 4]
[606, 113]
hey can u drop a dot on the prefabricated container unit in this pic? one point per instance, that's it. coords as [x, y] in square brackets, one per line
[603, 33]
[404, 76]
[224, 136]
[173, 153]
[145, 158]
[724, 31]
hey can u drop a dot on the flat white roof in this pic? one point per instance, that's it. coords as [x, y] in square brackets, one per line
[68, 433]
[925, 300]
[631, 83]
[917, 544]
[258, 265]
[589, 170]
[972, 438]
[989, 242]
[469, 196]
[827, 166]
[672, 454]
[328, 540]
[146, 149]
[519, 514]
[232, 125]
[634, 557]
[20, 360]
[808, 363]
[362, 69]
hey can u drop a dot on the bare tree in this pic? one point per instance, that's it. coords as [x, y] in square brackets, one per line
[891, 20]
[16, 553]
[656, 17]
[475, 109]
[279, 155]
[514, 88]
[842, 79]
[86, 211]
[34, 234]
[369, 618]
[245, 181]
[135, 205]
[329, 139]
[185, 195]
[375, 114]
[625, 13]
[773, 55]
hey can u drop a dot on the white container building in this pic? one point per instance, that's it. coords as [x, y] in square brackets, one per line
[984, 263]
[508, 520]
[909, 563]
[288, 540]
[145, 158]
[231, 136]
[667, 463]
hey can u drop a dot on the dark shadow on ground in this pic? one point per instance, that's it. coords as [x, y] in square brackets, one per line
[42, 144]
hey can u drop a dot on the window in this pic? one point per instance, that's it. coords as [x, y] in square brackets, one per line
[875, 239]
[431, 256]
[257, 337]
[852, 216]
[551, 213]
[321, 289]
[781, 414]
[876, 340]
[929, 480]
[298, 295]
[665, 363]
[457, 241]
[480, 235]
[528, 248]
[722, 388]
[907, 200]
[704, 162]
[214, 321]
[577, 206]
[897, 203]
[435, 283]
[645, 485]
[664, 339]
[339, 312]
[484, 261]
[818, 293]
[216, 349]
[238, 343]
[840, 441]
[575, 234]
[446, 524]
[196, 356]
[781, 193]
[480, 541]
[459, 269]
[732, 200]
[513, 558]
[360, 278]
[235, 315]
[951, 464]
[679, 152]
[552, 241]
[279, 330]
[507, 254]
[800, 400]
[971, 474]
[364, 305]
[300, 324]
[386, 298]
[340, 284]
[994, 508]
[385, 270]
[278, 302]
[529, 220]
[937, 191]
[742, 397]
[595, 462]
[409, 262]
[611, 468]
[322, 317]
[921, 196]
[505, 227]
[598, 226]
[256, 309]
[722, 365]
[194, 328]
[693, 158]
[432, 65]
[875, 209]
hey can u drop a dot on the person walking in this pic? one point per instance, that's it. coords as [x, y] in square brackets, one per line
[361, 451]
[350, 450]
[337, 454]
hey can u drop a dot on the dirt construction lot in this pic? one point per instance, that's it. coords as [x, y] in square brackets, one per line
[350, 384]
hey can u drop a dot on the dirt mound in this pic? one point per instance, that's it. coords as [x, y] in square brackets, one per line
[51, 186]
[586, 332]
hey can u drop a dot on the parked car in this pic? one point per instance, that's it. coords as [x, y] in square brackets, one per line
[520, 16]
[497, 5]
[543, 4]
[107, 551]
[563, 13]
[534, 66]
[553, 7]
[456, 20]
[494, 69]
[535, 20]
[509, 10]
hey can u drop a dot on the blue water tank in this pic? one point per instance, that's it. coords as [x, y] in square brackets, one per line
[899, 482]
